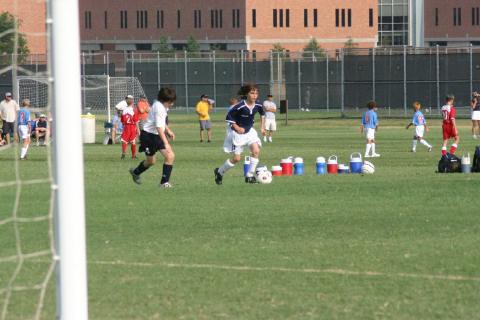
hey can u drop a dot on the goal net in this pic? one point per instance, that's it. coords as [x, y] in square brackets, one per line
[99, 93]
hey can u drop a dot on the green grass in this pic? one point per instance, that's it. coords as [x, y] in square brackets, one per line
[400, 244]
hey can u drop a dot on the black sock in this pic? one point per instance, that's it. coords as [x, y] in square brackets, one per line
[167, 171]
[141, 168]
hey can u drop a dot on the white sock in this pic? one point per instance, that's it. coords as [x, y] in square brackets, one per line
[23, 152]
[414, 144]
[367, 149]
[225, 167]
[425, 143]
[253, 167]
[373, 148]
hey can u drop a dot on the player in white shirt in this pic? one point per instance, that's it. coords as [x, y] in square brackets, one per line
[270, 124]
[128, 101]
[155, 136]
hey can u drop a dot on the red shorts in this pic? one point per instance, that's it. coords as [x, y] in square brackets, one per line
[448, 132]
[129, 134]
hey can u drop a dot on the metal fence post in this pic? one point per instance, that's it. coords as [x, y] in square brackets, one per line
[438, 79]
[158, 70]
[214, 80]
[342, 84]
[373, 75]
[133, 64]
[299, 75]
[108, 63]
[471, 67]
[272, 83]
[241, 67]
[405, 80]
[327, 83]
[186, 78]
[279, 76]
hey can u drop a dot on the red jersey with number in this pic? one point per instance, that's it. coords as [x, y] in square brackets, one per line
[129, 119]
[448, 113]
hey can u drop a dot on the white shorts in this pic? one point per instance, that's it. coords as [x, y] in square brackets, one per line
[23, 132]
[370, 133]
[270, 125]
[419, 131]
[476, 115]
[234, 142]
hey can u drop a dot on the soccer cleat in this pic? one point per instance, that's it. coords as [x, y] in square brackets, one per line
[218, 176]
[209, 141]
[270, 139]
[413, 150]
[122, 157]
[134, 158]
[166, 185]
[367, 156]
[250, 180]
[429, 149]
[264, 139]
[135, 177]
[375, 155]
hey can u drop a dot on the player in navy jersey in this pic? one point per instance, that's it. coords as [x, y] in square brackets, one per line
[23, 127]
[241, 133]
[369, 127]
[420, 124]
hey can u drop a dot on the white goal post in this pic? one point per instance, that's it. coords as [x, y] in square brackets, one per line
[100, 93]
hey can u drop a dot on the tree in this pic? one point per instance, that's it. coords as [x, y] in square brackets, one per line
[164, 46]
[7, 39]
[278, 50]
[193, 48]
[313, 50]
[350, 46]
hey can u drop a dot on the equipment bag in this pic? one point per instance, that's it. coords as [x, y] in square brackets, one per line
[476, 160]
[449, 164]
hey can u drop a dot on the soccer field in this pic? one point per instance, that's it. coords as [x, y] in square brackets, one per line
[402, 243]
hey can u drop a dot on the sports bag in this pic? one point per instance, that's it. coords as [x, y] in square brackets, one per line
[449, 164]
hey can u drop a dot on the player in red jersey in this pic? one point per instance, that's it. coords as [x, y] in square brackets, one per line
[130, 130]
[449, 127]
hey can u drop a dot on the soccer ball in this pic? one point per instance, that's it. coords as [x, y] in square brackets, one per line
[264, 177]
[368, 167]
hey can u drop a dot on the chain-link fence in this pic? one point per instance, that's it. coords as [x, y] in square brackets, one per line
[340, 80]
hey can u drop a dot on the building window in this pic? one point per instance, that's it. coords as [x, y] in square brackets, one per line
[216, 19]
[457, 16]
[274, 18]
[123, 19]
[305, 18]
[88, 19]
[159, 19]
[179, 19]
[349, 17]
[343, 17]
[436, 16]
[197, 18]
[142, 19]
[105, 19]
[315, 18]
[236, 18]
[281, 18]
[370, 17]
[287, 18]
[254, 18]
[475, 16]
[337, 17]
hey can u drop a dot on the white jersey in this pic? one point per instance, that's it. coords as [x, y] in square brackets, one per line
[9, 110]
[121, 105]
[157, 118]
[271, 105]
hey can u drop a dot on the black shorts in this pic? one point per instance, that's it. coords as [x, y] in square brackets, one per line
[150, 143]
[7, 127]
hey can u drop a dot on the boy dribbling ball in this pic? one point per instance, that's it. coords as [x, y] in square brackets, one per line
[241, 133]
[420, 124]
[369, 127]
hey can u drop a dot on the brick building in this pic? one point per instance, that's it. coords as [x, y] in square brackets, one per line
[31, 14]
[227, 24]
[452, 23]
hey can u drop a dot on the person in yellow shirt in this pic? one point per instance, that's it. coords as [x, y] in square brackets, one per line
[202, 109]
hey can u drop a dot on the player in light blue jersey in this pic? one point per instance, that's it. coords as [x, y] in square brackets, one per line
[23, 127]
[420, 124]
[369, 127]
